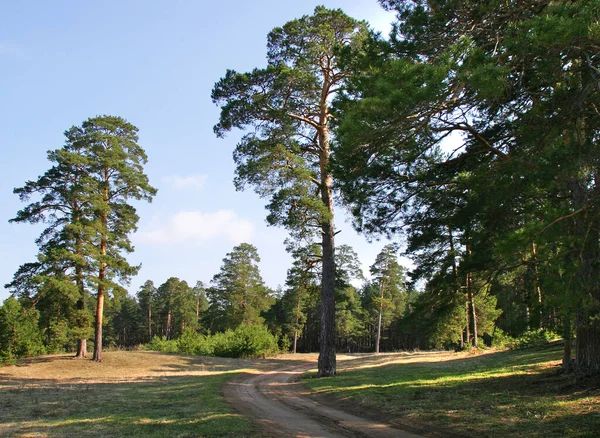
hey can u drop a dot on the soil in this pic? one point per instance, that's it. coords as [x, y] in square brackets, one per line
[278, 403]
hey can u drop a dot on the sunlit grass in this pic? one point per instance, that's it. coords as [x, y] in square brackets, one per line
[496, 395]
[128, 394]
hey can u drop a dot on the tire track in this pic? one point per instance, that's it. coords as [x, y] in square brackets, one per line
[275, 401]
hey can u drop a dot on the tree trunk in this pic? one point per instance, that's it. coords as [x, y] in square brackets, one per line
[473, 313]
[82, 342]
[99, 314]
[168, 327]
[149, 322]
[537, 288]
[567, 364]
[587, 353]
[379, 317]
[327, 359]
[101, 276]
[295, 340]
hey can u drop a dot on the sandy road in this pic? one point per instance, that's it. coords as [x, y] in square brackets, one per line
[275, 400]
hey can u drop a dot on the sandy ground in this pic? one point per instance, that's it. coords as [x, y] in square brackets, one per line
[278, 403]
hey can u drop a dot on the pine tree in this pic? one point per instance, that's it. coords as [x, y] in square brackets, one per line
[287, 157]
[239, 295]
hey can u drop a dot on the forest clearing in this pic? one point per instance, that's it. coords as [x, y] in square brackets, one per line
[140, 393]
[461, 139]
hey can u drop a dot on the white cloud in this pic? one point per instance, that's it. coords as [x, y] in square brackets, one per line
[195, 227]
[194, 182]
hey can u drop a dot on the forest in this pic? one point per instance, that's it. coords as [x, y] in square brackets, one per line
[470, 134]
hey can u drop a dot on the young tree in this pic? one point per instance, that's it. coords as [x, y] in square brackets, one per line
[238, 295]
[147, 297]
[287, 157]
[19, 332]
[389, 275]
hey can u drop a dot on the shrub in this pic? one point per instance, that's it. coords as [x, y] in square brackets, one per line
[245, 341]
[191, 342]
[162, 344]
[535, 338]
[532, 338]
[253, 341]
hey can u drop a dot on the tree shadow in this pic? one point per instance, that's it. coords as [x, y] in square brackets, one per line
[499, 394]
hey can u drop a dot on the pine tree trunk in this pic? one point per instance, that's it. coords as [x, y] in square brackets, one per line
[101, 276]
[537, 288]
[468, 319]
[295, 341]
[99, 314]
[567, 364]
[168, 328]
[327, 359]
[587, 351]
[379, 318]
[473, 313]
[82, 342]
[149, 322]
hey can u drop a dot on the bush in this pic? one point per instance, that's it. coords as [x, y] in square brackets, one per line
[253, 341]
[535, 338]
[245, 341]
[191, 342]
[532, 338]
[162, 344]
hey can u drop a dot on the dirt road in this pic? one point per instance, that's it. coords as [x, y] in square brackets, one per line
[276, 401]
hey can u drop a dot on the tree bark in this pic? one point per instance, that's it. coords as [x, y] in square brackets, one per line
[327, 359]
[101, 276]
[567, 364]
[99, 315]
[82, 342]
[473, 312]
[379, 317]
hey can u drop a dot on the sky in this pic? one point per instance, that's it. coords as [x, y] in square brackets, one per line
[153, 63]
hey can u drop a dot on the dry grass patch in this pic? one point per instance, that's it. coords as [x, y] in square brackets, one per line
[128, 394]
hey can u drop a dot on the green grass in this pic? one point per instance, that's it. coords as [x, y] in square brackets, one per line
[129, 394]
[171, 407]
[516, 393]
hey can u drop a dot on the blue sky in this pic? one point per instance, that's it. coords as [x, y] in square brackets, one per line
[153, 63]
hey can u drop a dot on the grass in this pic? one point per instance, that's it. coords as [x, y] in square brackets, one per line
[128, 394]
[514, 393]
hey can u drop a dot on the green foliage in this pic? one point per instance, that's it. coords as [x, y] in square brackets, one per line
[191, 342]
[162, 344]
[533, 338]
[58, 337]
[238, 295]
[246, 341]
[19, 332]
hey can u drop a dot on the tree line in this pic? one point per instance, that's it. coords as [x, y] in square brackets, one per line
[471, 131]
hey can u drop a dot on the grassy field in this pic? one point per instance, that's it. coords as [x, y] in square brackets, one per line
[129, 394]
[513, 393]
